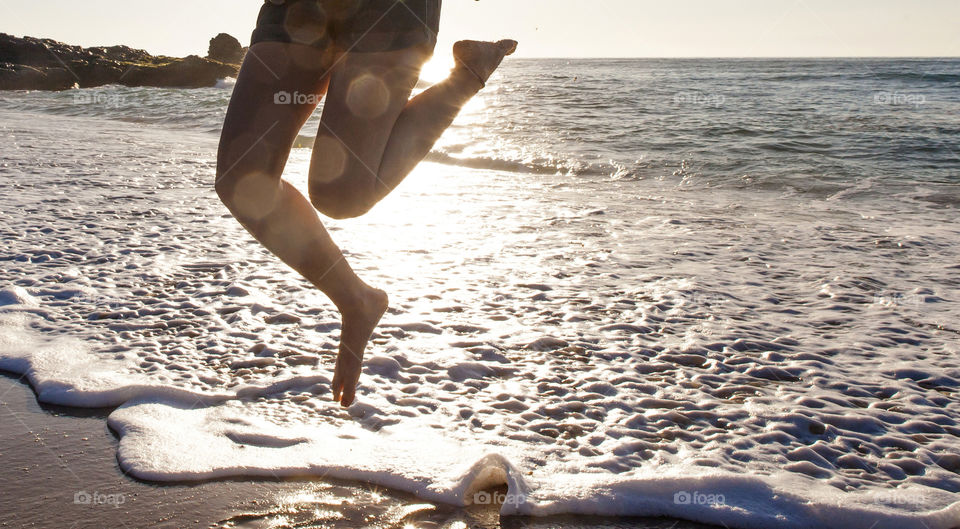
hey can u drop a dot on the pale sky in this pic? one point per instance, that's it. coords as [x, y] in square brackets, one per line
[546, 28]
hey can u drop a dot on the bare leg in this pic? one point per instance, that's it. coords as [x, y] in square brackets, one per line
[372, 135]
[254, 147]
[430, 113]
[364, 151]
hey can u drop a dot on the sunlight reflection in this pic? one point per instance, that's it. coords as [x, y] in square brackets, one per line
[375, 494]
[298, 498]
[368, 97]
[427, 237]
[280, 521]
[437, 68]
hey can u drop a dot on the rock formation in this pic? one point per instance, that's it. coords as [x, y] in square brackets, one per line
[30, 63]
[224, 48]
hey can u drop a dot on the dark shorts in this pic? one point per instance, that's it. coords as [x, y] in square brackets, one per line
[361, 26]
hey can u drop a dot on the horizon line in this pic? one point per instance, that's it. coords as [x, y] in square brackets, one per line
[621, 57]
[749, 57]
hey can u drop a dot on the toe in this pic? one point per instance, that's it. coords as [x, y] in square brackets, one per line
[349, 394]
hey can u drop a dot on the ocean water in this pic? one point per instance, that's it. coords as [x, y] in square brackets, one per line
[724, 291]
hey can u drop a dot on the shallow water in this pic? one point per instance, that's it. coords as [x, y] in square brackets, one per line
[52, 455]
[682, 345]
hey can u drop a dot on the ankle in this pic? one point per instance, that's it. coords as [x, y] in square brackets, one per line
[363, 301]
[463, 76]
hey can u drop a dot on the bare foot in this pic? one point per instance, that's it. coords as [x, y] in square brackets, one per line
[355, 332]
[482, 58]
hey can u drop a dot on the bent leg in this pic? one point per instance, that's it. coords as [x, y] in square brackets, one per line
[372, 135]
[430, 113]
[368, 92]
[258, 132]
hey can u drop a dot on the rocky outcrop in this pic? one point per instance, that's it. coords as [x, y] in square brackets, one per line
[43, 64]
[225, 48]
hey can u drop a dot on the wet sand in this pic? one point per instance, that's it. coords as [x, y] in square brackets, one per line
[55, 458]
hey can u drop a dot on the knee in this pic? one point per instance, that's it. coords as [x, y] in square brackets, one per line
[337, 204]
[247, 173]
[339, 209]
[225, 183]
[227, 189]
[224, 188]
[249, 195]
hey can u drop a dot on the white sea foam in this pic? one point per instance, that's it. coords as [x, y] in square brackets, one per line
[226, 83]
[600, 347]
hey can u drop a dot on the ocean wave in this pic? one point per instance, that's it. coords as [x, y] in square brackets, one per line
[563, 167]
[226, 83]
[201, 108]
[533, 167]
[866, 74]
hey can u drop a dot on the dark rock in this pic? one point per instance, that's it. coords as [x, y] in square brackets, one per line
[22, 77]
[225, 48]
[122, 54]
[189, 72]
[30, 63]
